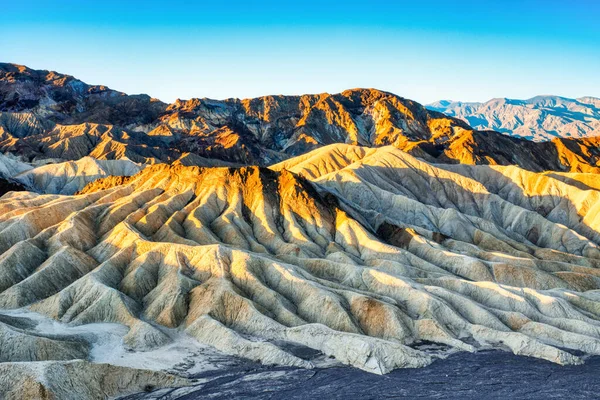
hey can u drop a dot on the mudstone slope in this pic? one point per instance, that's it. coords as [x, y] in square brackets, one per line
[362, 254]
[66, 177]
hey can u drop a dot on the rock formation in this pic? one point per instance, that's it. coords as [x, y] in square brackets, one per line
[61, 98]
[361, 254]
[359, 225]
[64, 177]
[71, 176]
[76, 380]
[50, 115]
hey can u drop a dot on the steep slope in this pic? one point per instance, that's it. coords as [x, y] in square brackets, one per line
[62, 178]
[581, 180]
[7, 185]
[75, 380]
[72, 142]
[540, 118]
[361, 254]
[11, 166]
[492, 148]
[67, 100]
[72, 176]
[47, 115]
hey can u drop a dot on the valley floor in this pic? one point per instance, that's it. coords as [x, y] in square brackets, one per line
[485, 374]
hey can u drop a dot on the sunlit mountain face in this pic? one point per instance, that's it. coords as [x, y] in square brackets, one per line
[144, 244]
[47, 115]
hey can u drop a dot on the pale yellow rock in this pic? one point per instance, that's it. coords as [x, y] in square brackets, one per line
[358, 253]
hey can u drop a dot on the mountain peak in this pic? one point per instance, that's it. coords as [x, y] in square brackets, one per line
[48, 115]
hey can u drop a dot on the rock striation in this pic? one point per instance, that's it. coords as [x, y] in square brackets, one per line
[358, 226]
[63, 177]
[71, 176]
[75, 380]
[361, 254]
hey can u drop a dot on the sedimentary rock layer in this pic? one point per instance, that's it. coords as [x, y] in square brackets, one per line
[361, 254]
[75, 380]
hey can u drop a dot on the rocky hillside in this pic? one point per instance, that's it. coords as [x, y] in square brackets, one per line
[46, 115]
[292, 125]
[66, 177]
[540, 118]
[64, 99]
[361, 254]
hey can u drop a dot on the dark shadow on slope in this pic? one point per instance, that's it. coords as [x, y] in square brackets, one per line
[7, 185]
[445, 193]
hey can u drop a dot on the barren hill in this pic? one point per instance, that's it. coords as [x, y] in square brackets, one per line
[50, 115]
[66, 177]
[360, 253]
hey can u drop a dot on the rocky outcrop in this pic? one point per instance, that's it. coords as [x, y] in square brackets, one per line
[72, 142]
[358, 253]
[49, 115]
[61, 98]
[492, 148]
[293, 125]
[75, 380]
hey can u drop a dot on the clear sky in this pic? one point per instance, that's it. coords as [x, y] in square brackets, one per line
[423, 50]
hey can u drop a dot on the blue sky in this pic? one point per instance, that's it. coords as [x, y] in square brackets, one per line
[423, 50]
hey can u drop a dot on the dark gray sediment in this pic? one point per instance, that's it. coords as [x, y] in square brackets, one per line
[486, 374]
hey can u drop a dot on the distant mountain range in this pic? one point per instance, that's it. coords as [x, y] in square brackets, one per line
[46, 115]
[540, 118]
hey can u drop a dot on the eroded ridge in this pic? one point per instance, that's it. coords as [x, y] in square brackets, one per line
[358, 253]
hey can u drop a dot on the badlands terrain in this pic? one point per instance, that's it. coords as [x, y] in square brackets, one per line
[141, 243]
